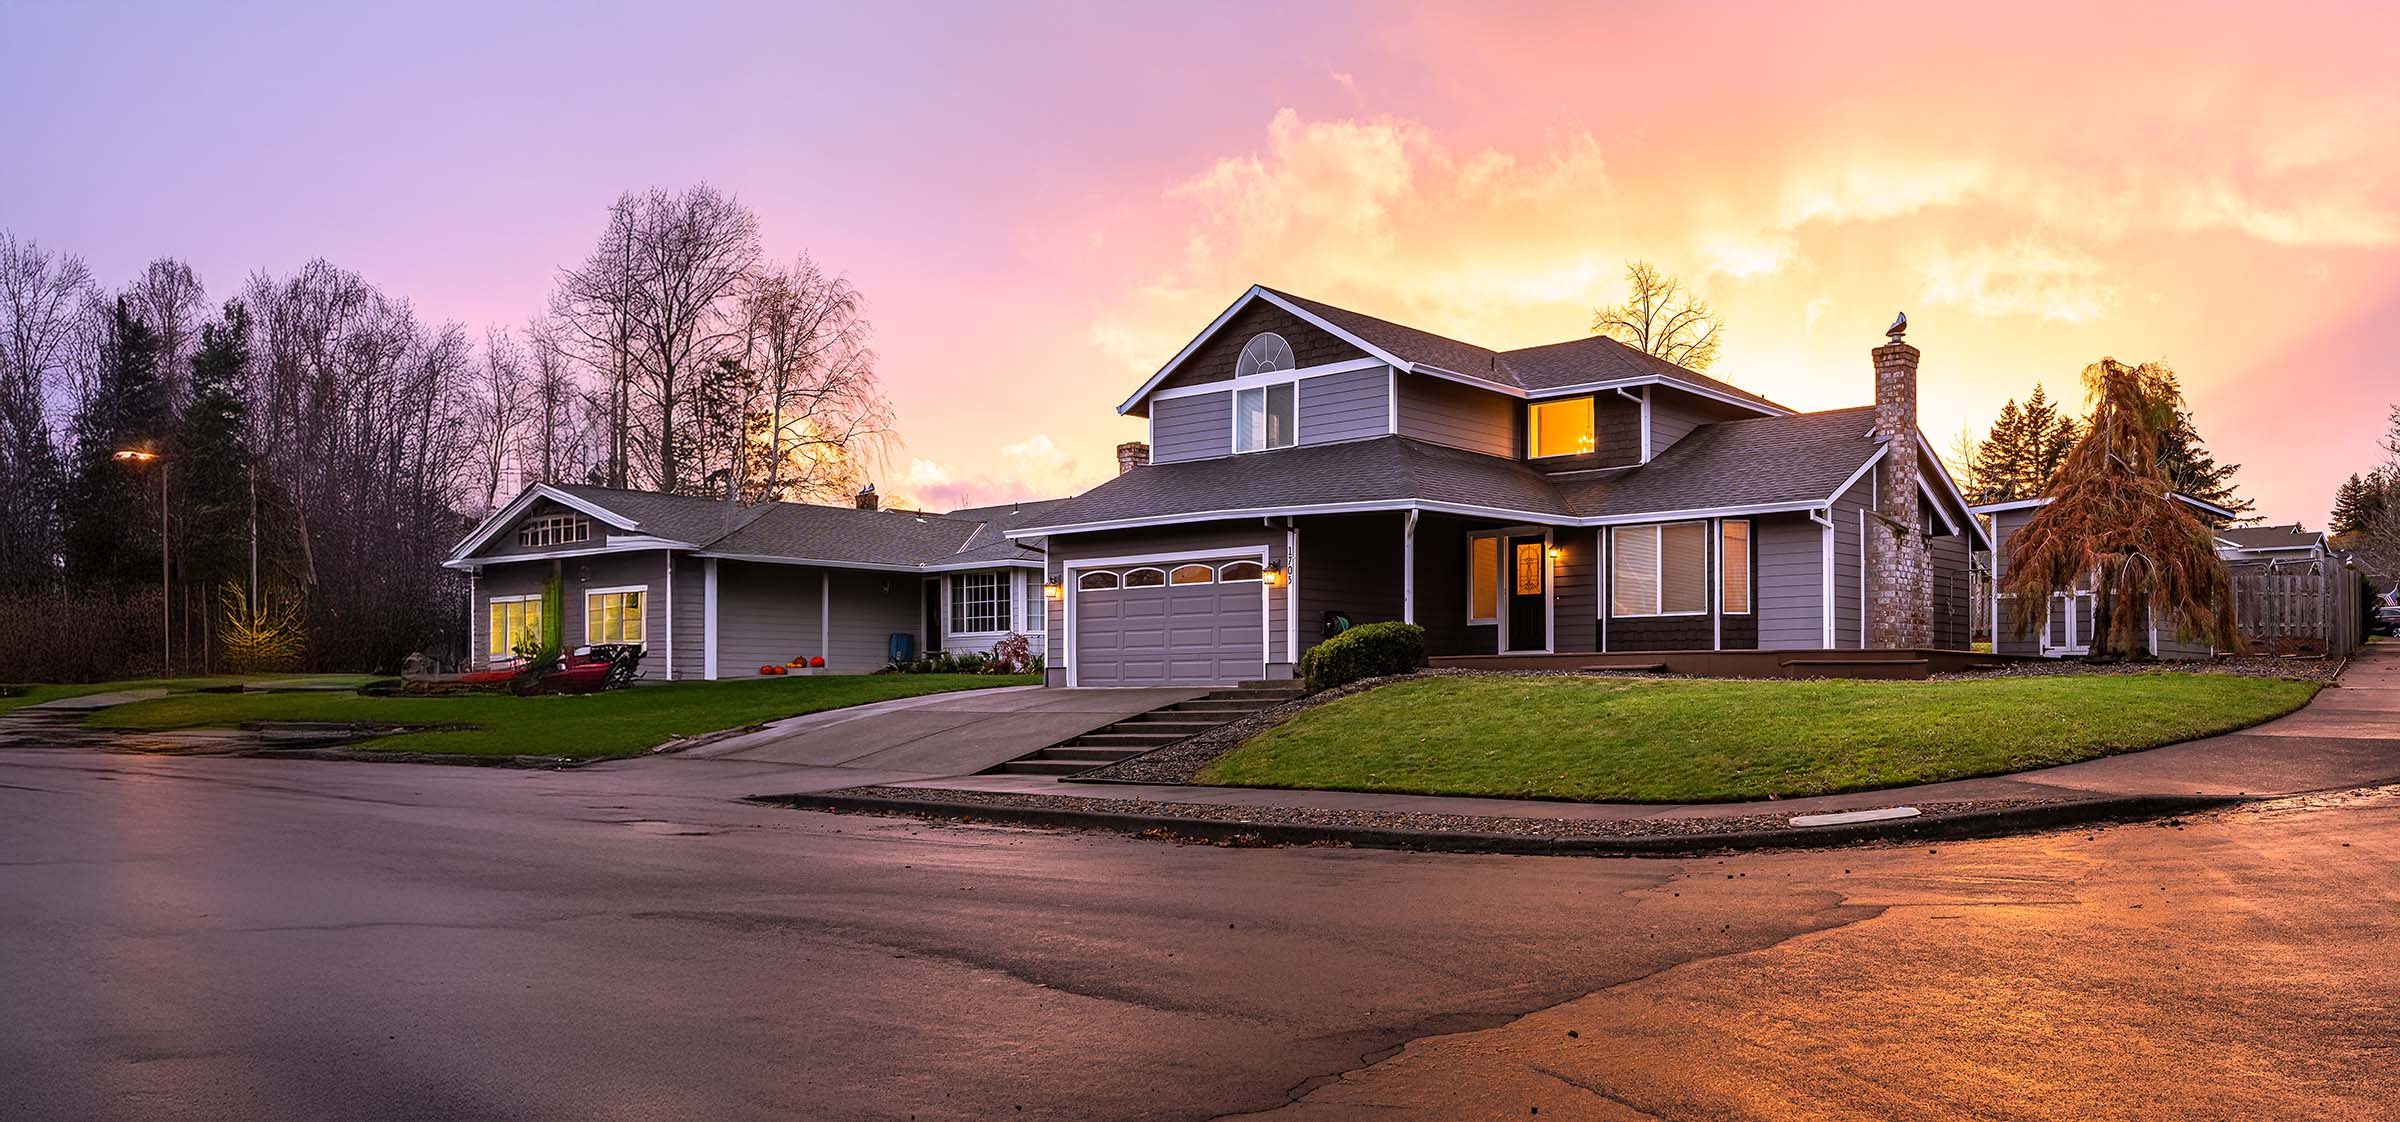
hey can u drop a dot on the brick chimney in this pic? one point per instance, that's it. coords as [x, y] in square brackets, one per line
[868, 499]
[1900, 570]
[1132, 454]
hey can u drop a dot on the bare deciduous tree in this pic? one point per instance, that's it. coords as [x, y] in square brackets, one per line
[497, 419]
[594, 304]
[1660, 317]
[819, 418]
[41, 296]
[169, 298]
[553, 448]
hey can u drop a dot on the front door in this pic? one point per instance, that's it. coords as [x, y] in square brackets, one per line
[1528, 607]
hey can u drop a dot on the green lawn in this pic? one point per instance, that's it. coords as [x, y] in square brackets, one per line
[39, 693]
[1697, 741]
[590, 726]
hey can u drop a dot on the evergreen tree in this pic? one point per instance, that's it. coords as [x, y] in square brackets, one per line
[109, 508]
[2185, 458]
[2356, 504]
[1998, 467]
[2047, 437]
[212, 455]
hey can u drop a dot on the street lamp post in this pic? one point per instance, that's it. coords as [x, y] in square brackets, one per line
[166, 625]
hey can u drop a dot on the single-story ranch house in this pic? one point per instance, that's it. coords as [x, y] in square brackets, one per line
[1307, 462]
[716, 590]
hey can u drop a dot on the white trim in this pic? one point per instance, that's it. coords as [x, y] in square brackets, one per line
[1658, 567]
[507, 515]
[615, 590]
[1270, 378]
[1749, 566]
[670, 567]
[1716, 596]
[1824, 518]
[630, 543]
[1880, 452]
[1533, 428]
[708, 619]
[871, 566]
[1863, 613]
[1530, 517]
[825, 615]
[1647, 380]
[1291, 595]
[1069, 575]
[1252, 295]
[1498, 555]
[2202, 505]
[1391, 401]
[1408, 568]
[1646, 453]
[1950, 485]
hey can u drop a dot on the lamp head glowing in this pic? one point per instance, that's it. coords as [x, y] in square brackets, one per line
[1054, 591]
[133, 455]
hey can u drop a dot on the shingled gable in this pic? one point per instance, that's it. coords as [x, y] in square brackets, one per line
[780, 532]
[1551, 369]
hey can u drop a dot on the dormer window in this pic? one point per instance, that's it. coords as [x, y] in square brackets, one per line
[554, 529]
[1559, 428]
[1266, 417]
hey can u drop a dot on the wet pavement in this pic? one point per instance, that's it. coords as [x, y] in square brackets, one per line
[256, 938]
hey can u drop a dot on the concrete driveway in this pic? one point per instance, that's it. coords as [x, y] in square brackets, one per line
[941, 735]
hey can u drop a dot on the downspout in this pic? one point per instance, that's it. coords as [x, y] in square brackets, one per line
[1823, 517]
[1642, 402]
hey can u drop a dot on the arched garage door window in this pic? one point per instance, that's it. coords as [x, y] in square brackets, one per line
[1097, 582]
[1238, 572]
[1192, 574]
[1145, 578]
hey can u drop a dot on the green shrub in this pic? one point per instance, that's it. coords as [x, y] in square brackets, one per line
[1369, 651]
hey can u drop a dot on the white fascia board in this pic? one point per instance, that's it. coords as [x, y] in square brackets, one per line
[973, 566]
[1581, 388]
[1646, 517]
[1861, 473]
[1431, 371]
[1270, 378]
[872, 566]
[2012, 504]
[1255, 293]
[631, 543]
[501, 519]
[1299, 510]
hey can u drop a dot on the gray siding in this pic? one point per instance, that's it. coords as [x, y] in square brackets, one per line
[2005, 524]
[868, 609]
[1951, 605]
[1214, 360]
[1441, 411]
[504, 544]
[578, 575]
[1791, 582]
[1575, 588]
[1192, 428]
[1674, 414]
[1233, 537]
[1849, 567]
[1348, 406]
[766, 614]
[1352, 565]
[687, 619]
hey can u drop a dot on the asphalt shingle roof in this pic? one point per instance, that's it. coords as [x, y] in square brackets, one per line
[1751, 462]
[805, 531]
[2286, 536]
[1595, 358]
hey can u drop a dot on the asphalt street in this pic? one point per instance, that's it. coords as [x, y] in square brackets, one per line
[264, 939]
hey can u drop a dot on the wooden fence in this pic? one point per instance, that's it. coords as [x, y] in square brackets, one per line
[2296, 610]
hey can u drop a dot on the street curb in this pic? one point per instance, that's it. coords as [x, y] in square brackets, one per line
[1971, 824]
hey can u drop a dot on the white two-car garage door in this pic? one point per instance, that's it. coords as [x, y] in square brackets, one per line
[1195, 622]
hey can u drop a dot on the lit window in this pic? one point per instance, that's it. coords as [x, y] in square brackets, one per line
[1240, 571]
[1146, 578]
[1483, 580]
[554, 529]
[978, 603]
[1658, 570]
[1560, 428]
[1191, 574]
[1096, 582]
[614, 616]
[1266, 417]
[1733, 567]
[516, 621]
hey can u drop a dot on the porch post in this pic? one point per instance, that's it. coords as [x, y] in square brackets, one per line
[708, 618]
[825, 616]
[1408, 568]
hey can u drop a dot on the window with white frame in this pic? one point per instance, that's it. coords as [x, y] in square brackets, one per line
[516, 621]
[1483, 579]
[1658, 570]
[978, 603]
[1733, 566]
[1037, 607]
[614, 615]
[554, 529]
[1266, 417]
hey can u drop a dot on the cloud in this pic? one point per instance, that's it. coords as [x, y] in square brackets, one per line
[1032, 468]
[2017, 279]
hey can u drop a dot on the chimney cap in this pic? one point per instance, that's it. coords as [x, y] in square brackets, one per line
[1898, 328]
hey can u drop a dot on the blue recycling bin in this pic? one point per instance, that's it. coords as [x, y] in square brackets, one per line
[904, 647]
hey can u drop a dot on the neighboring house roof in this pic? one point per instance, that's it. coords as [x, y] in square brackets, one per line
[783, 531]
[1798, 460]
[2202, 505]
[1525, 372]
[2257, 539]
[1751, 465]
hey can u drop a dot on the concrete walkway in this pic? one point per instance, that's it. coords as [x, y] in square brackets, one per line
[2349, 736]
[940, 734]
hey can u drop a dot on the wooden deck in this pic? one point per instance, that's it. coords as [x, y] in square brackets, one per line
[1876, 664]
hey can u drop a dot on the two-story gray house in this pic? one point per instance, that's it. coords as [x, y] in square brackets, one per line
[1308, 461]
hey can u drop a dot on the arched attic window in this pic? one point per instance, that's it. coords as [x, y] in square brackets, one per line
[1265, 353]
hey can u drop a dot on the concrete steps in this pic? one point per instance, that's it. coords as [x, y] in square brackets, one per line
[1144, 732]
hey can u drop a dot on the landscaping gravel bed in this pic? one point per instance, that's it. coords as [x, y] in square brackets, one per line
[1390, 820]
[2248, 666]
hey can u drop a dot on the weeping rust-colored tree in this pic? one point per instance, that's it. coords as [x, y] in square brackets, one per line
[2111, 515]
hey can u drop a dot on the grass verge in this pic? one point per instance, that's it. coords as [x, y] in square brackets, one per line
[586, 727]
[1711, 741]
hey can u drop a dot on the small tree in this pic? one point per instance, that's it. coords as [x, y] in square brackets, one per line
[2113, 517]
[1661, 317]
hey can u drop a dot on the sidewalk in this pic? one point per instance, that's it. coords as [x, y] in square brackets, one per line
[2348, 736]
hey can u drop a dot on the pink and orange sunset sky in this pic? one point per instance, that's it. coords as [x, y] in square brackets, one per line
[1044, 202]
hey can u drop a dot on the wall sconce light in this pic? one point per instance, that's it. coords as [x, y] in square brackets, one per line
[1555, 553]
[1275, 577]
[1054, 591]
